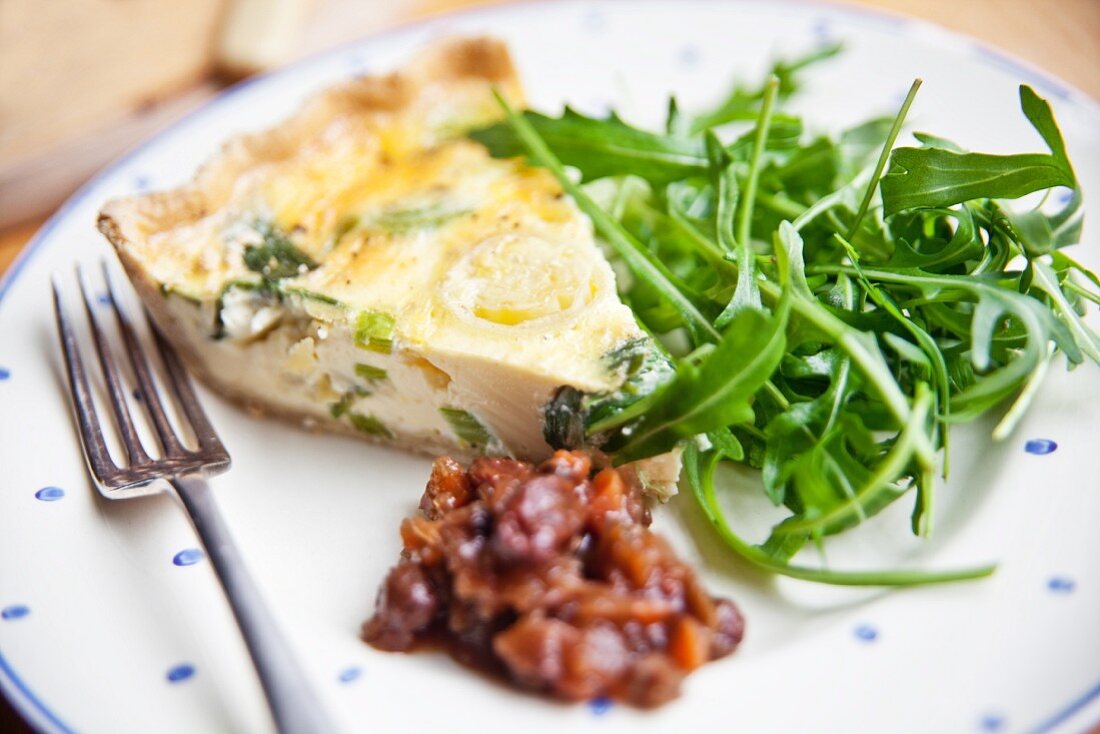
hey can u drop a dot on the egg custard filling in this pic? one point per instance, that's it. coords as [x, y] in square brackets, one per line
[365, 267]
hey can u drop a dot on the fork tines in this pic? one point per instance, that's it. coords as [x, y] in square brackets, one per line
[175, 459]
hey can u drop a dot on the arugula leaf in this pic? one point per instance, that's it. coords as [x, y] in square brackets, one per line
[714, 394]
[699, 470]
[936, 177]
[800, 428]
[958, 243]
[828, 344]
[726, 192]
[876, 490]
[675, 123]
[598, 148]
[979, 325]
[892, 136]
[742, 102]
[747, 293]
[1083, 338]
[1038, 113]
[760, 136]
[1041, 233]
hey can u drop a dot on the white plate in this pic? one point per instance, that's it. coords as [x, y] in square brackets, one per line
[100, 624]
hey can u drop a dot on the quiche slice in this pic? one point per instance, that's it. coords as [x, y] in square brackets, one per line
[364, 267]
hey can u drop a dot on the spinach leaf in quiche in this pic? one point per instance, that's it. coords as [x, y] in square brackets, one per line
[369, 372]
[469, 429]
[370, 425]
[348, 399]
[276, 257]
[404, 219]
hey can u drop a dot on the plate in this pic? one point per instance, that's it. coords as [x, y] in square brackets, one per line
[111, 622]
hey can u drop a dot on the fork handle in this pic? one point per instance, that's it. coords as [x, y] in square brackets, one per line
[294, 706]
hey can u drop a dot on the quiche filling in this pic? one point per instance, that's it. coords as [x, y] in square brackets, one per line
[364, 267]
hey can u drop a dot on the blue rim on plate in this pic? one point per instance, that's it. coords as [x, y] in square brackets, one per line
[39, 714]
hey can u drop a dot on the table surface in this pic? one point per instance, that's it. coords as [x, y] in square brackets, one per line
[1062, 37]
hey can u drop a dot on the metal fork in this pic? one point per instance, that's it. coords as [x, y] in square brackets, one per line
[293, 704]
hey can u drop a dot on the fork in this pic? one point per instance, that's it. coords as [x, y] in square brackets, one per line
[293, 704]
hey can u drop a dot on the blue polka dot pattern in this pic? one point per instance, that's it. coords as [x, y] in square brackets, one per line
[865, 633]
[5, 373]
[49, 494]
[1061, 584]
[15, 611]
[188, 557]
[137, 395]
[357, 64]
[823, 30]
[992, 722]
[600, 705]
[1040, 446]
[180, 672]
[594, 21]
[688, 57]
[347, 675]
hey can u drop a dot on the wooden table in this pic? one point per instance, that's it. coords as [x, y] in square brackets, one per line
[1062, 37]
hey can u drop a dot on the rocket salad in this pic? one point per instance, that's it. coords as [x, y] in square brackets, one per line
[830, 305]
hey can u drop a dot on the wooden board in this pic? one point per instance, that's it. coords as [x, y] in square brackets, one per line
[82, 80]
[1060, 36]
[126, 69]
[69, 67]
